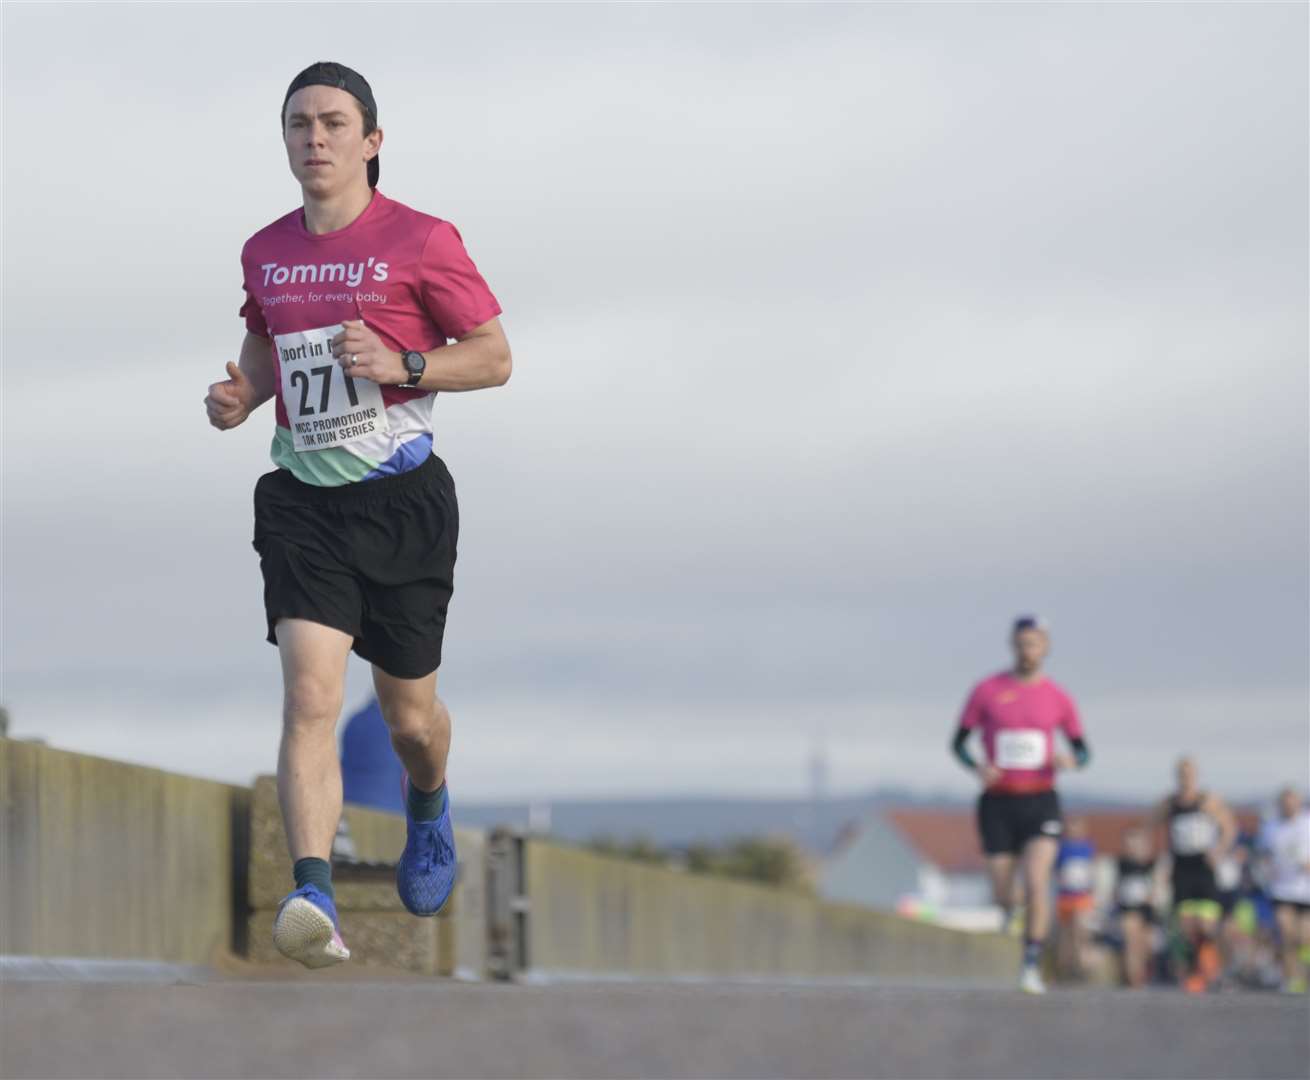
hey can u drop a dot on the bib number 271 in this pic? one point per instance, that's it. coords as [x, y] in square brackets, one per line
[325, 406]
[324, 375]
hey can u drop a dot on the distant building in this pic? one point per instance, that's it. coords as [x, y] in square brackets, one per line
[872, 865]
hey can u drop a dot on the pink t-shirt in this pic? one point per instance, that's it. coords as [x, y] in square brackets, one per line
[1018, 721]
[407, 275]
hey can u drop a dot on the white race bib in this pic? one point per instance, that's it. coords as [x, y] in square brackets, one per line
[1134, 890]
[325, 406]
[1076, 875]
[1021, 748]
[1193, 833]
[1228, 875]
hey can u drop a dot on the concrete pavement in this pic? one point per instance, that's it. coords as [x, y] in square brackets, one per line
[367, 1024]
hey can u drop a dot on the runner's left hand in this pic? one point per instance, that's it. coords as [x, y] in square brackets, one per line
[373, 360]
[1061, 760]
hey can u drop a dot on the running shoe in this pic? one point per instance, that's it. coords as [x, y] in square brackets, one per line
[306, 929]
[425, 875]
[1030, 980]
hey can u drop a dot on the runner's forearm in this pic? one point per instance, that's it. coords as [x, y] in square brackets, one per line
[1227, 829]
[961, 751]
[256, 363]
[475, 363]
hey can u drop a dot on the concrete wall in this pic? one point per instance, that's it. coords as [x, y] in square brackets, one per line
[593, 913]
[103, 859]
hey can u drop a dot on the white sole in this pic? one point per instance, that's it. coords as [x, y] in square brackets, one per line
[305, 934]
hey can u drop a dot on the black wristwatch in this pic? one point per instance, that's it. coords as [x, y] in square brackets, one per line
[415, 363]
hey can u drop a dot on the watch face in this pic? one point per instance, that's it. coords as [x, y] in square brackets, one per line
[414, 362]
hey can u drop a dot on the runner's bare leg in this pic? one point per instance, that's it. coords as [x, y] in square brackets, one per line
[309, 768]
[1000, 868]
[419, 725]
[1038, 859]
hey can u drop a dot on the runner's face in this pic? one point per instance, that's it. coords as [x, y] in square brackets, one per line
[324, 135]
[1030, 648]
[1187, 775]
[1289, 803]
[1137, 845]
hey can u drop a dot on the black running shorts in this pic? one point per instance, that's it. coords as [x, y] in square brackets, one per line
[374, 559]
[1007, 822]
[1193, 879]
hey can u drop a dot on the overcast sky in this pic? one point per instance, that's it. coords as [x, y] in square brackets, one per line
[842, 334]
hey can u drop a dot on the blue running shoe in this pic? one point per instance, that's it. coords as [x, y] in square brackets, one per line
[425, 875]
[306, 929]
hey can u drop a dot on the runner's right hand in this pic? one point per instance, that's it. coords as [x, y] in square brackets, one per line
[989, 773]
[229, 402]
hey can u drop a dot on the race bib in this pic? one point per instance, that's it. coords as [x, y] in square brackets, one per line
[1076, 876]
[325, 406]
[1134, 890]
[1024, 748]
[1192, 834]
[1228, 875]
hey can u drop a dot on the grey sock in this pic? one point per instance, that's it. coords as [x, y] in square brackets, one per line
[425, 805]
[315, 872]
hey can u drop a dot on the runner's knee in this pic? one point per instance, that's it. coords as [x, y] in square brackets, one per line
[415, 723]
[311, 703]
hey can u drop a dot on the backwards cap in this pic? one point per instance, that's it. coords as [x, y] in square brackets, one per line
[1030, 622]
[327, 73]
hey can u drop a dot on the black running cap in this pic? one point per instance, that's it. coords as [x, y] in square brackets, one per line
[1030, 622]
[327, 73]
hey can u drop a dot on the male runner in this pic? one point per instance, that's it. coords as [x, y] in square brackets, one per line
[1201, 831]
[350, 301]
[1285, 842]
[1018, 712]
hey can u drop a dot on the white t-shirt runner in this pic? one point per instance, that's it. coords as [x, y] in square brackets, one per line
[1287, 843]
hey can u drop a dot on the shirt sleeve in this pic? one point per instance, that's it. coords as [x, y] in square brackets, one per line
[454, 294]
[254, 315]
[1070, 722]
[972, 715]
[250, 310]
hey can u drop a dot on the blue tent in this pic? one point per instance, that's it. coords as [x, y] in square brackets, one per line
[370, 770]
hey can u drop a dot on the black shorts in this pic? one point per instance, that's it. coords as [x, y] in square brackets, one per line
[1301, 907]
[1007, 822]
[1193, 880]
[1145, 911]
[374, 559]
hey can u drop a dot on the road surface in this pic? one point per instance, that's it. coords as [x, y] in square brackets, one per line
[368, 1025]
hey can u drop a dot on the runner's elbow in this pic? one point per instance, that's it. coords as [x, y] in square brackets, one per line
[502, 365]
